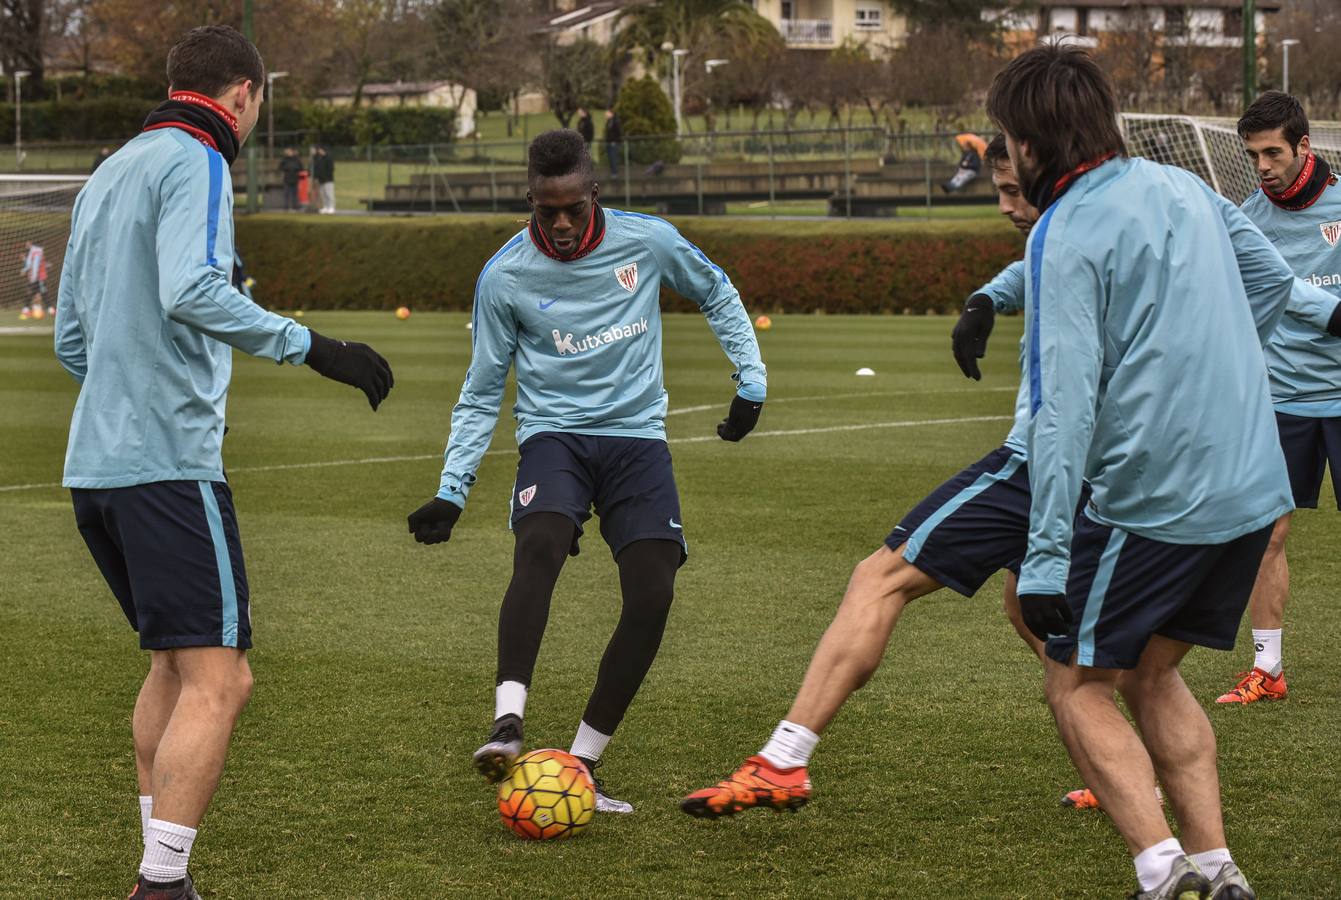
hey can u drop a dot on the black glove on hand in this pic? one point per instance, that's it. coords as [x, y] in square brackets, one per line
[354, 364]
[740, 420]
[1045, 614]
[432, 523]
[969, 338]
[1334, 325]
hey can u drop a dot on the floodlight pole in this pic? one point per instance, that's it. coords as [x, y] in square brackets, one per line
[1286, 45]
[1249, 52]
[270, 120]
[18, 116]
[675, 82]
[249, 32]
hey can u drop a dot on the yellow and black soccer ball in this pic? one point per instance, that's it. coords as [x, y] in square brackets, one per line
[547, 795]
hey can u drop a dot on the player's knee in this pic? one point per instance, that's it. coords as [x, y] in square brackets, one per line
[543, 547]
[882, 578]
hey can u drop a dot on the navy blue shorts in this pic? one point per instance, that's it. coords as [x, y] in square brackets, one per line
[1310, 445]
[972, 525]
[171, 554]
[1124, 588]
[628, 481]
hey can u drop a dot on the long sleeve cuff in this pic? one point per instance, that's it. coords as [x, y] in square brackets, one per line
[752, 391]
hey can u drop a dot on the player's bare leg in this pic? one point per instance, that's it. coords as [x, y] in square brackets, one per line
[1010, 603]
[153, 709]
[189, 760]
[848, 655]
[1180, 741]
[1266, 613]
[1107, 751]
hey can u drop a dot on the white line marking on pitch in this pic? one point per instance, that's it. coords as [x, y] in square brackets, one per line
[693, 409]
[697, 439]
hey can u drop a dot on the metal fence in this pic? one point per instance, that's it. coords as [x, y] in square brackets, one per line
[838, 171]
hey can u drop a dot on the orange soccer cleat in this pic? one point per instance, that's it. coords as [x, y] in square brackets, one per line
[1082, 798]
[1256, 685]
[755, 783]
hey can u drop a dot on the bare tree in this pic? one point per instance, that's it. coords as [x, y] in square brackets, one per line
[22, 33]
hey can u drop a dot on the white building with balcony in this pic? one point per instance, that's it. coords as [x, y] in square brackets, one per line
[826, 24]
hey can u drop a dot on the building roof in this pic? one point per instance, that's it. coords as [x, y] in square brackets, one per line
[1189, 5]
[390, 88]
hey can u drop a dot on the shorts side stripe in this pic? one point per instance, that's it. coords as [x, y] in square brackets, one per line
[983, 482]
[221, 559]
[1103, 577]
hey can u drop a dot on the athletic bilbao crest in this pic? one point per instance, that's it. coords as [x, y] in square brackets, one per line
[526, 496]
[627, 276]
[1331, 232]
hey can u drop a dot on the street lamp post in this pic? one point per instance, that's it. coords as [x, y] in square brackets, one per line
[18, 116]
[1286, 45]
[270, 79]
[675, 82]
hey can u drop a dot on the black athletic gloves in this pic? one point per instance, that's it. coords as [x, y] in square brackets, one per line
[1334, 324]
[740, 420]
[354, 364]
[432, 523]
[1045, 614]
[969, 338]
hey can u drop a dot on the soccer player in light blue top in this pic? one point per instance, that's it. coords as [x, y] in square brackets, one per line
[146, 322]
[962, 533]
[573, 302]
[1143, 330]
[1299, 210]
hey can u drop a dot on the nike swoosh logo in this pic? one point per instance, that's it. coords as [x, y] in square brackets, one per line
[174, 849]
[543, 305]
[673, 523]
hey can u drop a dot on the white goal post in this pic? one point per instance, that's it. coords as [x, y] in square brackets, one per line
[34, 228]
[1211, 148]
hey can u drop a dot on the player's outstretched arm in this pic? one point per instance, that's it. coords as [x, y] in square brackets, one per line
[1314, 306]
[494, 342]
[968, 339]
[688, 270]
[1267, 277]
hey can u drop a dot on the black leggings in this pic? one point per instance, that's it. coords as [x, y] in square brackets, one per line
[647, 581]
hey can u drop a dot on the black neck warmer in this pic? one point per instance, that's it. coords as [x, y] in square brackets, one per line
[200, 117]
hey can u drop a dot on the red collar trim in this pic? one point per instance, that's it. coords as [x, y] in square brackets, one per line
[1310, 162]
[590, 239]
[203, 136]
[1078, 171]
[202, 100]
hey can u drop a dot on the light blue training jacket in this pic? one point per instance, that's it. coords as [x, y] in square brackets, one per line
[1304, 361]
[1144, 325]
[147, 317]
[585, 336]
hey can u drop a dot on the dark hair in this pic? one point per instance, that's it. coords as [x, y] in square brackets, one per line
[1272, 110]
[557, 153]
[996, 154]
[1057, 99]
[211, 59]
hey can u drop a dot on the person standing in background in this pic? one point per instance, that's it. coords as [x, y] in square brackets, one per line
[614, 137]
[323, 172]
[290, 166]
[585, 127]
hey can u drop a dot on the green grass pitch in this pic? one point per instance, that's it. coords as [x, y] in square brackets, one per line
[374, 658]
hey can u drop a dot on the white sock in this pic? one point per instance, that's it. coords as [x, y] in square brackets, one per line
[790, 746]
[1153, 864]
[1267, 643]
[509, 699]
[167, 850]
[146, 811]
[589, 743]
[1211, 861]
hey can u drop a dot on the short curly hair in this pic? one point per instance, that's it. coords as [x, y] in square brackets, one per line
[556, 153]
[211, 59]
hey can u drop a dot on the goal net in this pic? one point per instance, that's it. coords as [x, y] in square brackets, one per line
[1211, 148]
[34, 227]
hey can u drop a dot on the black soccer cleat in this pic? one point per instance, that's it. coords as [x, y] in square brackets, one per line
[172, 890]
[494, 759]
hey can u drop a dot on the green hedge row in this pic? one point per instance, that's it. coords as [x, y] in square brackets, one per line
[120, 118]
[312, 263]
